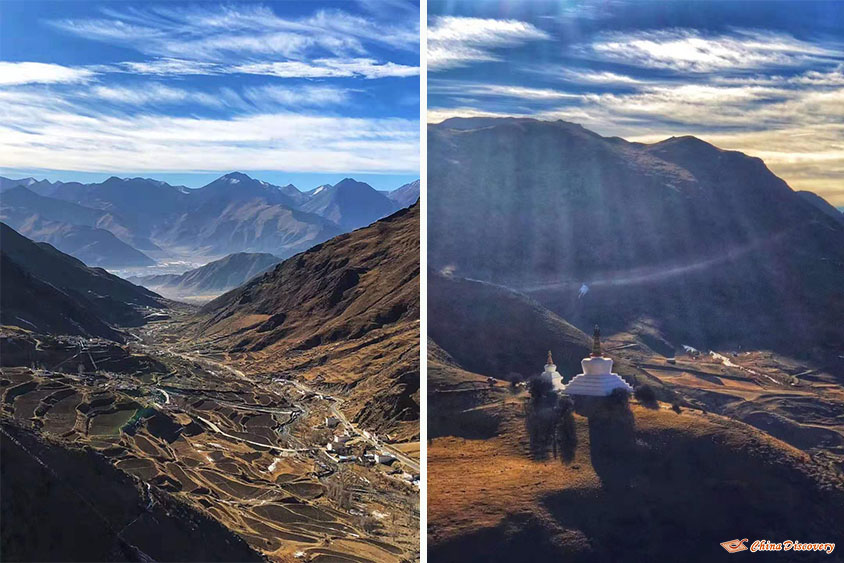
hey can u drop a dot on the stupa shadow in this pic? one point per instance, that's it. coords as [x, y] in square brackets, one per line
[551, 430]
[611, 439]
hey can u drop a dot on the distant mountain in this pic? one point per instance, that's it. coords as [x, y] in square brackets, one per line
[214, 277]
[255, 225]
[86, 233]
[237, 186]
[46, 290]
[345, 312]
[349, 203]
[234, 213]
[701, 239]
[822, 204]
[97, 247]
[292, 192]
[9, 183]
[406, 195]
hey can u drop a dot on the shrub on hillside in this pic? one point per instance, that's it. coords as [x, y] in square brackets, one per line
[540, 389]
[645, 394]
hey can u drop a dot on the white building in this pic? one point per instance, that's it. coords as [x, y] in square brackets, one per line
[597, 378]
[552, 374]
[384, 457]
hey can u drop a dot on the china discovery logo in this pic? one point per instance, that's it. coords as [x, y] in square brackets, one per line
[734, 546]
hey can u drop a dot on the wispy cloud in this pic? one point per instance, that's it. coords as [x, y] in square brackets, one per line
[464, 89]
[457, 41]
[36, 132]
[246, 100]
[32, 73]
[228, 33]
[689, 50]
[328, 68]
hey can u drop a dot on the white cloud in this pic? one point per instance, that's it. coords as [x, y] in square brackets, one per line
[328, 68]
[167, 67]
[689, 50]
[457, 41]
[31, 73]
[499, 90]
[228, 34]
[41, 135]
[310, 96]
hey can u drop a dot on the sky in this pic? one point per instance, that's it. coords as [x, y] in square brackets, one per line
[765, 78]
[301, 92]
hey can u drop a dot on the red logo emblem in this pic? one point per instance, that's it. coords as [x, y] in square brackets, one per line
[734, 546]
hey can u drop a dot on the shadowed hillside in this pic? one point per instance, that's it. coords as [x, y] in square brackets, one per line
[648, 229]
[48, 291]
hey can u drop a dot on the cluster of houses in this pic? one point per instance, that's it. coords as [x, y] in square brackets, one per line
[342, 446]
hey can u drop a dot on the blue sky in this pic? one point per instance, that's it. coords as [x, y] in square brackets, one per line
[766, 78]
[301, 92]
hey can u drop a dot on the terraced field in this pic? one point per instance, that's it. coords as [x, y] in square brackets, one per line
[247, 453]
[796, 403]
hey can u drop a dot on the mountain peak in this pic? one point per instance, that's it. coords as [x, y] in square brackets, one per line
[235, 177]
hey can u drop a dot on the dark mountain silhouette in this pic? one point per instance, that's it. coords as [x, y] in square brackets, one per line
[350, 204]
[95, 236]
[703, 240]
[214, 277]
[50, 292]
[822, 204]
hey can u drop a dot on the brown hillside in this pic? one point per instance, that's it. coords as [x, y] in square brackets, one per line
[343, 315]
[639, 485]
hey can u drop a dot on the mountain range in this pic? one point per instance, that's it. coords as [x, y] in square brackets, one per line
[601, 230]
[128, 222]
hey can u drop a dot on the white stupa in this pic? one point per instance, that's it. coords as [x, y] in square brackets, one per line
[597, 378]
[552, 374]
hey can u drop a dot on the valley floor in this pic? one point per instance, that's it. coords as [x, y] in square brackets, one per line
[247, 450]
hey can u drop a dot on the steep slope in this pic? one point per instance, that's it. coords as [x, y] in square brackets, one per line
[343, 315]
[349, 203]
[96, 512]
[66, 284]
[546, 207]
[405, 195]
[822, 204]
[35, 305]
[495, 332]
[217, 276]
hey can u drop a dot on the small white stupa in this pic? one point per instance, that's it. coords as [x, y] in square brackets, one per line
[597, 378]
[552, 374]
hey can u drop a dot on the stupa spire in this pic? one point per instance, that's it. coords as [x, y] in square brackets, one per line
[550, 360]
[596, 343]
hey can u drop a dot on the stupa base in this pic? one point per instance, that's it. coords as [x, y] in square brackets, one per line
[596, 385]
